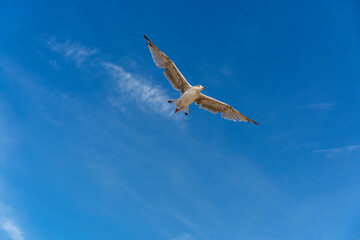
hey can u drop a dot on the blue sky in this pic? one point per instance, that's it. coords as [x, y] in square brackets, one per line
[90, 148]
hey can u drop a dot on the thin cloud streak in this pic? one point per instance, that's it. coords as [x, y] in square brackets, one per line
[135, 87]
[132, 87]
[7, 224]
[320, 106]
[71, 50]
[12, 230]
[184, 236]
[196, 228]
[333, 152]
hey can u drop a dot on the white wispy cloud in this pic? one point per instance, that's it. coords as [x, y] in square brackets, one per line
[71, 50]
[12, 230]
[129, 87]
[7, 143]
[225, 70]
[7, 223]
[184, 236]
[319, 106]
[193, 226]
[345, 151]
[137, 88]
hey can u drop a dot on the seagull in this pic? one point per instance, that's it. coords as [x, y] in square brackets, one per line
[190, 94]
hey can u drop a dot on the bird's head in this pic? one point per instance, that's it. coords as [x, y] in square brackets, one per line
[200, 88]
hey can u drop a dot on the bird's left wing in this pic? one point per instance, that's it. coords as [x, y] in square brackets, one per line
[215, 106]
[171, 72]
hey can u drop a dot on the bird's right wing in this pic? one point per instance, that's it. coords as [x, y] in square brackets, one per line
[171, 72]
[215, 106]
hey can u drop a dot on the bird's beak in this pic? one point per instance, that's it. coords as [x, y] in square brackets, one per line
[204, 88]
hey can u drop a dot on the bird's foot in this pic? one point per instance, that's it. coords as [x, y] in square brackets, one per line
[186, 113]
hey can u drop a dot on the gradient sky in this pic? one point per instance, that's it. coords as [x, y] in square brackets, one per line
[90, 148]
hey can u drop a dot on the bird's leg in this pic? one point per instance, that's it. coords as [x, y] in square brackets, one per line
[186, 111]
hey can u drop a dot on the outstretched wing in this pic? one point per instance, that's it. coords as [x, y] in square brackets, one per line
[171, 72]
[215, 106]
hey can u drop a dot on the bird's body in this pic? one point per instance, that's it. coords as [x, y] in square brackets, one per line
[188, 97]
[188, 93]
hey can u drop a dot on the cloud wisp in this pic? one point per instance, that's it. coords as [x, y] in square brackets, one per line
[134, 86]
[7, 223]
[340, 151]
[319, 106]
[128, 86]
[12, 230]
[71, 50]
[184, 236]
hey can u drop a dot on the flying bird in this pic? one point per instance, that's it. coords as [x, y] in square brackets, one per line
[190, 94]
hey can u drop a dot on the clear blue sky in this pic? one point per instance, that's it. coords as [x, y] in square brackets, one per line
[90, 148]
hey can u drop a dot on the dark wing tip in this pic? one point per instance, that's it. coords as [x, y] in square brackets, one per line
[150, 42]
[253, 121]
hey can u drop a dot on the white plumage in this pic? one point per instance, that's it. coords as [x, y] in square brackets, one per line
[190, 94]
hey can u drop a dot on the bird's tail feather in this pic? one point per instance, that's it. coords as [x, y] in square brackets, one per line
[176, 101]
